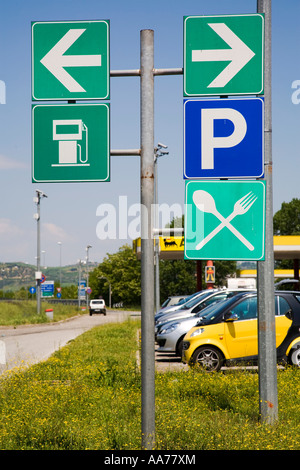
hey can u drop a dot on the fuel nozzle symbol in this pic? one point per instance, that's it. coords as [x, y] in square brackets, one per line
[72, 137]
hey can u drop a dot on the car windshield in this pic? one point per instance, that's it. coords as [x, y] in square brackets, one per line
[210, 313]
[194, 301]
[187, 299]
[97, 301]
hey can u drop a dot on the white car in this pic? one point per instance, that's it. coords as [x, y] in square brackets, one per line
[97, 306]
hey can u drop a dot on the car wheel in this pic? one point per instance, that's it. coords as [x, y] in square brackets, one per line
[295, 357]
[208, 359]
[178, 351]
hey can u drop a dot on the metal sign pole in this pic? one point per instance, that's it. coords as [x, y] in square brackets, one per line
[38, 254]
[147, 245]
[265, 269]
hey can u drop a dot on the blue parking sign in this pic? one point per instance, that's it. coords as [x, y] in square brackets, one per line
[223, 138]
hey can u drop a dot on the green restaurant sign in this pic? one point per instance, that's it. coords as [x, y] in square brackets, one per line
[225, 220]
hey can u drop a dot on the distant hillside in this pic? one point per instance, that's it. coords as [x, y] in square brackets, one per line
[13, 276]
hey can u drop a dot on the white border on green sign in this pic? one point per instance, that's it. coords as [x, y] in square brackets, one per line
[75, 97]
[107, 178]
[211, 93]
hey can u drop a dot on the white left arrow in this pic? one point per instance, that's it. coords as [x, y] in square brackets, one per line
[55, 60]
[239, 55]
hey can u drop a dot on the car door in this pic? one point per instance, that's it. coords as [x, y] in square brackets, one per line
[281, 321]
[241, 334]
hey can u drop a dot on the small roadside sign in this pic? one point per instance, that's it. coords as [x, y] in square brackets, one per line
[210, 274]
[47, 289]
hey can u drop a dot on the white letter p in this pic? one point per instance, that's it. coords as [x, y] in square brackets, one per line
[209, 142]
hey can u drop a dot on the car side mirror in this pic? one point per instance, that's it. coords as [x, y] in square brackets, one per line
[230, 316]
[289, 314]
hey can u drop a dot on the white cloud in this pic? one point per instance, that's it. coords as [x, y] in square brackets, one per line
[8, 229]
[54, 232]
[7, 163]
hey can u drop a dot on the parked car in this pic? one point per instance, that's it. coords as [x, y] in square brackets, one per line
[194, 306]
[172, 308]
[229, 332]
[97, 306]
[182, 303]
[172, 300]
[170, 334]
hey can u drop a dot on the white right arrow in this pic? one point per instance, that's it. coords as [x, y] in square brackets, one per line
[55, 60]
[239, 55]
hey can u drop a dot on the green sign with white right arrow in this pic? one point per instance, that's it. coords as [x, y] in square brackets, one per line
[223, 55]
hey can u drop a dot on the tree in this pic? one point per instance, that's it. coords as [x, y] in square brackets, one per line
[121, 270]
[177, 277]
[286, 221]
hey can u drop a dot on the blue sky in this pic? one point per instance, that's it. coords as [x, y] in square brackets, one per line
[68, 214]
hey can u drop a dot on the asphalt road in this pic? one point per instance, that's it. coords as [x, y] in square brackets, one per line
[28, 344]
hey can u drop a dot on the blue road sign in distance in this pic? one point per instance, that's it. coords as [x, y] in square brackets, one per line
[223, 138]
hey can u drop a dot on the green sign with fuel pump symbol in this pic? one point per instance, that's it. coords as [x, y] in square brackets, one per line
[70, 143]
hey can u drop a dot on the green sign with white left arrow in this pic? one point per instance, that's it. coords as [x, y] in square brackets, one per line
[70, 60]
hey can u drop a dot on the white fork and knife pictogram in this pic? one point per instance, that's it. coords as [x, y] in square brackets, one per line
[206, 203]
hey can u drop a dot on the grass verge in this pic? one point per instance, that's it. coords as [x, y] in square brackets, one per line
[87, 396]
[15, 313]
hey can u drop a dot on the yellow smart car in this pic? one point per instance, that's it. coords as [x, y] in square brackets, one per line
[228, 332]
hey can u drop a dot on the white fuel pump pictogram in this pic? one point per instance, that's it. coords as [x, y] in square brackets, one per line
[68, 132]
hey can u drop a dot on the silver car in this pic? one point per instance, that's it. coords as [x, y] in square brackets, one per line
[173, 300]
[173, 308]
[170, 335]
[185, 304]
[194, 306]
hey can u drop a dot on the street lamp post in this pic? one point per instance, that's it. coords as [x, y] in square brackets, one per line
[87, 274]
[37, 200]
[158, 152]
[60, 244]
[79, 283]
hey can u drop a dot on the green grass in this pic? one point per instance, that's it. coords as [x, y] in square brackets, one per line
[88, 395]
[15, 313]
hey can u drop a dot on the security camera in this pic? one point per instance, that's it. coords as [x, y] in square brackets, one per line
[41, 193]
[162, 145]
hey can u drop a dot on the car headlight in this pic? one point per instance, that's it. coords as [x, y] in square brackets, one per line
[197, 332]
[169, 329]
